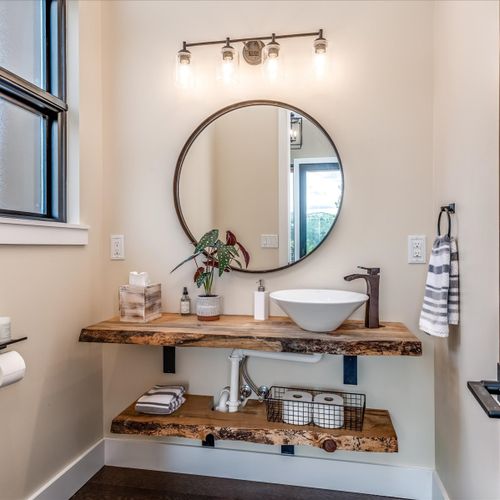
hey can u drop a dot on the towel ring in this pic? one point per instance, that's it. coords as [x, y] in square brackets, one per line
[449, 209]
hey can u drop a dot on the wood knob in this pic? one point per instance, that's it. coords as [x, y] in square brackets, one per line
[329, 445]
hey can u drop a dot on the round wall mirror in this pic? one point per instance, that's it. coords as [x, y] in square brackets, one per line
[266, 171]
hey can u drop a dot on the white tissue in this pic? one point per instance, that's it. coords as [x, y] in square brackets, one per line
[297, 407]
[138, 279]
[329, 413]
[4, 329]
[12, 368]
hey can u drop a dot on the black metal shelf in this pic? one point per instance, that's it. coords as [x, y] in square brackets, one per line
[7, 343]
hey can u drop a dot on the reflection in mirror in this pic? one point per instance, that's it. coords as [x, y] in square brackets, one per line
[267, 173]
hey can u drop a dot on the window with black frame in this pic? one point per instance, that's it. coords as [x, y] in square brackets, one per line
[32, 109]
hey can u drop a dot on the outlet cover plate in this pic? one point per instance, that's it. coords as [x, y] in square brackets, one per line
[117, 247]
[417, 251]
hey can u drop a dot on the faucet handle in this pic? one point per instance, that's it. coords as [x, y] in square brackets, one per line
[371, 270]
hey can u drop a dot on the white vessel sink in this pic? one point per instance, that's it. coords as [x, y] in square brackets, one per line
[318, 310]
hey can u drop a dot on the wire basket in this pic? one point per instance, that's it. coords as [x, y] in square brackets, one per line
[322, 408]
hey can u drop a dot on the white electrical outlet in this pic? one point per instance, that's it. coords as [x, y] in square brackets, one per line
[417, 251]
[117, 247]
[269, 241]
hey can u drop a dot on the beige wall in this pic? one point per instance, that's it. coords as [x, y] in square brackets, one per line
[54, 414]
[197, 184]
[246, 179]
[377, 108]
[229, 180]
[314, 143]
[466, 172]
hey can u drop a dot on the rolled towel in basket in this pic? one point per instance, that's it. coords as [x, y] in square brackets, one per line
[328, 411]
[161, 399]
[297, 407]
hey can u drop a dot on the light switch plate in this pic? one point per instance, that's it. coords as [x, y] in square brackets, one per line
[417, 251]
[117, 248]
[269, 241]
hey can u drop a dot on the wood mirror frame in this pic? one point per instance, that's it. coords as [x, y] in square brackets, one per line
[203, 125]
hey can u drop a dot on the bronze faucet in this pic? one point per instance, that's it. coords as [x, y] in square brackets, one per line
[372, 288]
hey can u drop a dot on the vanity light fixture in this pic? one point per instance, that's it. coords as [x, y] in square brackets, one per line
[272, 60]
[320, 57]
[228, 70]
[295, 131]
[254, 52]
[184, 68]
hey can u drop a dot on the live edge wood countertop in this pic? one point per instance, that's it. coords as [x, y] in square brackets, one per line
[277, 333]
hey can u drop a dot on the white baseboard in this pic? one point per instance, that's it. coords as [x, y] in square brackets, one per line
[438, 490]
[417, 483]
[67, 482]
[358, 477]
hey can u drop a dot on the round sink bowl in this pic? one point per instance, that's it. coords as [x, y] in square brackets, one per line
[318, 310]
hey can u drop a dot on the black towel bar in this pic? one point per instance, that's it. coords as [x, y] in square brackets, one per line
[449, 209]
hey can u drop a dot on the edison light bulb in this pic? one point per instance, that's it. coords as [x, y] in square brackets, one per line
[228, 70]
[320, 57]
[272, 63]
[184, 69]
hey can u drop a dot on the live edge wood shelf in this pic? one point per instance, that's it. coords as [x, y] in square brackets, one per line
[243, 332]
[195, 419]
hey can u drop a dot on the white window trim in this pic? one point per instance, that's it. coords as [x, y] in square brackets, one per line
[34, 232]
[38, 232]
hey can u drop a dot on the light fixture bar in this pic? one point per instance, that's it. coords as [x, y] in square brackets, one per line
[249, 39]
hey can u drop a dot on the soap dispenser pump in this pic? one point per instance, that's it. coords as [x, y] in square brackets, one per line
[261, 303]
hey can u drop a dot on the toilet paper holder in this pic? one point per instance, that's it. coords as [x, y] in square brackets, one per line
[7, 343]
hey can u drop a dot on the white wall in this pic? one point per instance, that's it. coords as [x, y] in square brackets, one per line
[54, 414]
[378, 109]
[466, 172]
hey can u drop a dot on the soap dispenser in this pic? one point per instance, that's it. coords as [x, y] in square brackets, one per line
[261, 303]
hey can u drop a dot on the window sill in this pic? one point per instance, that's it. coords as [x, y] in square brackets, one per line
[33, 232]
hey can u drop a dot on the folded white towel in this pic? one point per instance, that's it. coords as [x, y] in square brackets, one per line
[156, 408]
[441, 302]
[161, 399]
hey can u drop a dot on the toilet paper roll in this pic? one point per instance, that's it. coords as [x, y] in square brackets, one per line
[12, 368]
[297, 407]
[328, 411]
[4, 329]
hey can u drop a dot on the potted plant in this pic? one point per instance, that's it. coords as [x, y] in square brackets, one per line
[212, 256]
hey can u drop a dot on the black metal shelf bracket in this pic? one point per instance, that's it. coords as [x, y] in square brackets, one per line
[350, 370]
[7, 343]
[484, 391]
[209, 441]
[168, 359]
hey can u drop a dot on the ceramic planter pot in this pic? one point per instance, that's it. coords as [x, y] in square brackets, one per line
[208, 307]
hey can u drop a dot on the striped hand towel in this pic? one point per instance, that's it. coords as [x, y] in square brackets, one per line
[441, 302]
[161, 400]
[454, 291]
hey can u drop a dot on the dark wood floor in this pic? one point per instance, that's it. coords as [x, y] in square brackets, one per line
[113, 483]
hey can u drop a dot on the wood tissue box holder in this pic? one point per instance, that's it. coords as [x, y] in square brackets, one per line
[140, 304]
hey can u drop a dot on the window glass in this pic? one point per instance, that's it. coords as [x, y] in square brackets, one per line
[21, 38]
[22, 184]
[322, 207]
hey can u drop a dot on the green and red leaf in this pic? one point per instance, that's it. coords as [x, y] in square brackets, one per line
[207, 240]
[201, 279]
[230, 238]
[246, 255]
[198, 273]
